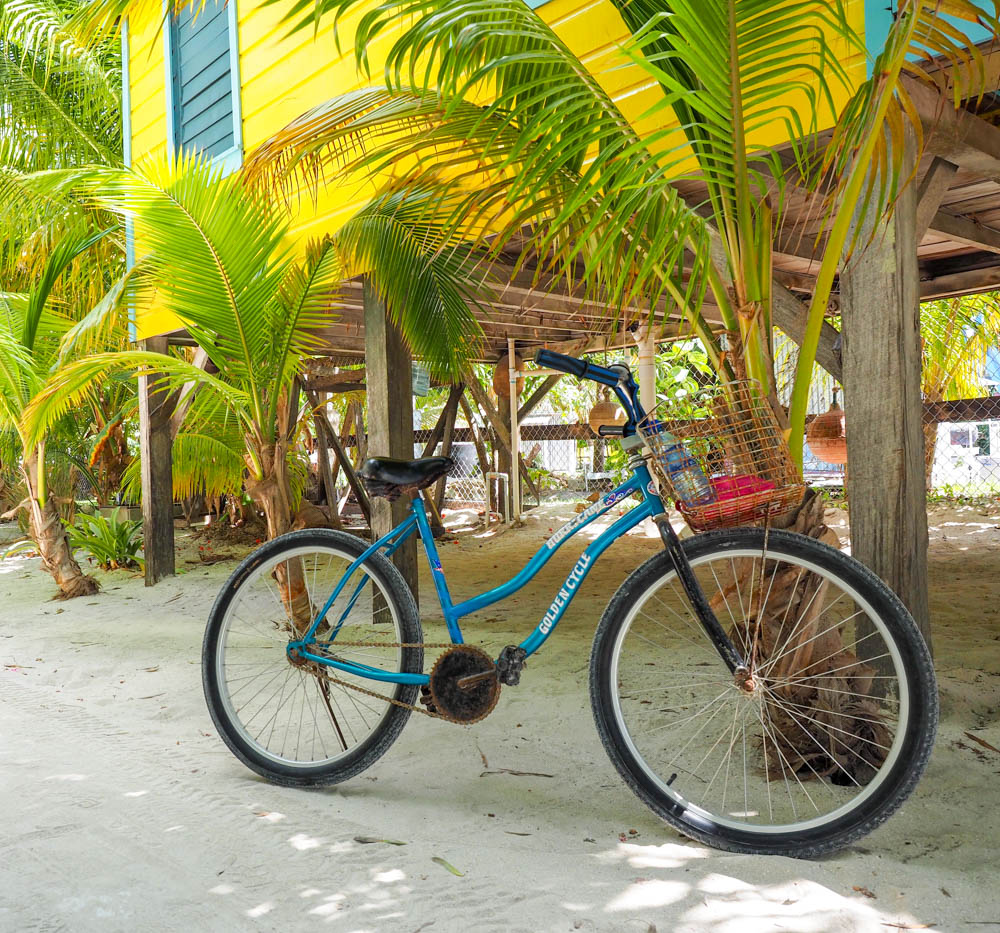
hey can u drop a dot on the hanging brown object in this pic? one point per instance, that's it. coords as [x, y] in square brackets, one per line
[826, 436]
[604, 412]
[501, 376]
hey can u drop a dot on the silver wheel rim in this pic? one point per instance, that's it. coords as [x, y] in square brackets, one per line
[278, 709]
[715, 689]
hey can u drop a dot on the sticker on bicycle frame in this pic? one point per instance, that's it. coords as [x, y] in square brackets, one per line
[576, 575]
[585, 516]
[651, 489]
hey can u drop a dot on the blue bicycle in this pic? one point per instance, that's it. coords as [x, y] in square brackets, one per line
[759, 690]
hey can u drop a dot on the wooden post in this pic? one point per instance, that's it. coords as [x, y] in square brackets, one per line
[477, 437]
[156, 469]
[448, 435]
[390, 418]
[515, 435]
[342, 458]
[323, 462]
[879, 291]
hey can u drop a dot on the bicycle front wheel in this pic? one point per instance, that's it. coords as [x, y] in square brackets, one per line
[302, 723]
[815, 745]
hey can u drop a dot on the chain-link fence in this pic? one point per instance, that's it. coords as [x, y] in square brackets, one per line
[962, 447]
[961, 438]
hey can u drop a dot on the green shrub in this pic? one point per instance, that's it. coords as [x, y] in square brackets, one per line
[114, 544]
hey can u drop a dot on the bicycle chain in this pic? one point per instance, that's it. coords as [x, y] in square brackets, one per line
[380, 696]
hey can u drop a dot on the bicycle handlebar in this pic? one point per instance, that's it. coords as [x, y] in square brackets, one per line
[572, 366]
[617, 377]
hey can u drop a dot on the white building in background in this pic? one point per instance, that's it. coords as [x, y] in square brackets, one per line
[967, 457]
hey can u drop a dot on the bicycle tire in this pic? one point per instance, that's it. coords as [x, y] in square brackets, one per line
[644, 755]
[245, 628]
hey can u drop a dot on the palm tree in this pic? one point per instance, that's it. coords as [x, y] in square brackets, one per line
[551, 157]
[61, 106]
[220, 259]
[38, 335]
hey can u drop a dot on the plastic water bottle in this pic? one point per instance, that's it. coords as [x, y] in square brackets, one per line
[686, 476]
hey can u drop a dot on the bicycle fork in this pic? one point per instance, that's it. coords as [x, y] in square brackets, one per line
[717, 634]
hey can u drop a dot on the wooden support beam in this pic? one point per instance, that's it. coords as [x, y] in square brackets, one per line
[963, 409]
[789, 314]
[487, 407]
[450, 412]
[956, 135]
[323, 463]
[390, 419]
[352, 478]
[438, 430]
[526, 474]
[476, 436]
[960, 283]
[968, 232]
[185, 396]
[882, 401]
[156, 468]
[936, 181]
[538, 395]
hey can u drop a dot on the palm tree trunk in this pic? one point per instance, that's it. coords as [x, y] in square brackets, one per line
[49, 534]
[808, 663]
[272, 493]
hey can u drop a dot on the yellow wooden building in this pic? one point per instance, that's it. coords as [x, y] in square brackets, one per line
[225, 80]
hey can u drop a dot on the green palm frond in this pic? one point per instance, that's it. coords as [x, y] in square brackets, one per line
[68, 385]
[206, 464]
[957, 336]
[216, 254]
[18, 378]
[552, 149]
[76, 240]
[61, 100]
[454, 175]
[429, 283]
[302, 308]
[105, 324]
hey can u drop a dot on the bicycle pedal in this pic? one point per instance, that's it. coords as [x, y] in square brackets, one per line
[510, 664]
[426, 699]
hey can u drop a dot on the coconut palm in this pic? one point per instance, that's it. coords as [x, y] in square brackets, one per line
[61, 106]
[483, 99]
[38, 336]
[221, 260]
[551, 158]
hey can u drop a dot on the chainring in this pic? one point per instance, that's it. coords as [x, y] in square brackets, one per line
[464, 704]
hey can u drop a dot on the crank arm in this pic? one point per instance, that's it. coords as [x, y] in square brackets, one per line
[696, 596]
[467, 683]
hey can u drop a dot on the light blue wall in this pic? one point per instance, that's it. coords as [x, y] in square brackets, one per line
[878, 21]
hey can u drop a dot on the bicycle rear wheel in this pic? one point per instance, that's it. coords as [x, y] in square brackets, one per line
[306, 723]
[824, 741]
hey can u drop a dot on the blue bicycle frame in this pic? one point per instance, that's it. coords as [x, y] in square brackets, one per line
[620, 380]
[641, 482]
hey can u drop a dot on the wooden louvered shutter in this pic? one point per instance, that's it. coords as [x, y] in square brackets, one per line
[202, 79]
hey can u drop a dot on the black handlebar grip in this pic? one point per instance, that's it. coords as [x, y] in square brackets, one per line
[549, 359]
[611, 430]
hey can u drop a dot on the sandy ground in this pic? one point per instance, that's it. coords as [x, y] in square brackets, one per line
[122, 809]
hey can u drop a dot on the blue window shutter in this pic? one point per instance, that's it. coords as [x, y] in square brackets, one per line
[201, 77]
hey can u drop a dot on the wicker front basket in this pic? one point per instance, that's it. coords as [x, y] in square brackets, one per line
[738, 445]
